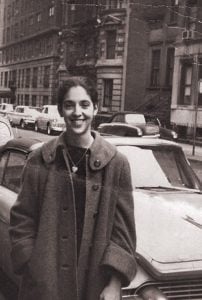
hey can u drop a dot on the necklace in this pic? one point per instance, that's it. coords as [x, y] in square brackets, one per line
[75, 165]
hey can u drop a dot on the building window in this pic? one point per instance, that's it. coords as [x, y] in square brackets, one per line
[108, 92]
[27, 100]
[200, 79]
[185, 85]
[6, 79]
[46, 79]
[170, 66]
[38, 17]
[27, 79]
[155, 68]
[45, 100]
[51, 11]
[174, 11]
[1, 80]
[33, 100]
[19, 78]
[23, 78]
[112, 4]
[111, 44]
[35, 77]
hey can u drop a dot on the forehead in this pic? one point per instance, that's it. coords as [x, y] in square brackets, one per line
[77, 93]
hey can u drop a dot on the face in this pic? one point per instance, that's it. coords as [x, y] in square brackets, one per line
[78, 111]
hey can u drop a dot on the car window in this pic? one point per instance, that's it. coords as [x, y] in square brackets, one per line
[3, 160]
[135, 119]
[46, 110]
[118, 118]
[157, 167]
[151, 120]
[13, 171]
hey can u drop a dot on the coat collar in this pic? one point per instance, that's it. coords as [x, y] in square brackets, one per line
[101, 152]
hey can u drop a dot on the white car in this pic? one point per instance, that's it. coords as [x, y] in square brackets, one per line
[6, 108]
[50, 120]
[23, 116]
[168, 210]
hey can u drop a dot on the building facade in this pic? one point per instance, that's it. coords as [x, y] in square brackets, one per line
[128, 46]
[186, 107]
[29, 49]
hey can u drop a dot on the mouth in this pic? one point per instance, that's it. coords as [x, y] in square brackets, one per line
[77, 122]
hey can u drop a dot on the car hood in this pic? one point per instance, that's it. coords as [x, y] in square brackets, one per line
[169, 231]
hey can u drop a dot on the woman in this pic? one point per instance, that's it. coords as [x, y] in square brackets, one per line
[72, 227]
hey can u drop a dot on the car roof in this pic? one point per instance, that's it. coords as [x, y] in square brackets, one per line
[132, 113]
[138, 141]
[22, 144]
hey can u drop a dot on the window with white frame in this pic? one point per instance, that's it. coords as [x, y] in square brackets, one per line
[51, 11]
[185, 84]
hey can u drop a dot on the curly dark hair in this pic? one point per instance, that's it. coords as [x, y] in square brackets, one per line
[84, 82]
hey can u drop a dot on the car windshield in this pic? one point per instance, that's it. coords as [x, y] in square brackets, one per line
[156, 167]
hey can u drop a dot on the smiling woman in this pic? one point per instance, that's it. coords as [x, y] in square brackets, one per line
[73, 245]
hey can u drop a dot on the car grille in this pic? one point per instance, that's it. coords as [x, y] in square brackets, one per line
[175, 290]
[182, 290]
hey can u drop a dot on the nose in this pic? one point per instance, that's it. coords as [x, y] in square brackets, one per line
[77, 110]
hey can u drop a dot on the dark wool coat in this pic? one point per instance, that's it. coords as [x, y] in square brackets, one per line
[43, 225]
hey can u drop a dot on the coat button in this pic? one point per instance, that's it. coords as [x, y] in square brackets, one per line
[95, 214]
[97, 163]
[95, 187]
[65, 208]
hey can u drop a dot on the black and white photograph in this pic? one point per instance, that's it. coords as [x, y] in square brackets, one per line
[100, 150]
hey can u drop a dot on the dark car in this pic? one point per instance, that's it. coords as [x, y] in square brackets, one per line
[168, 209]
[146, 122]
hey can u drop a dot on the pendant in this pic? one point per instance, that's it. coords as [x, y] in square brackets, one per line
[74, 169]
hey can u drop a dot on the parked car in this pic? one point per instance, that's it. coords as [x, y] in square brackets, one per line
[168, 209]
[50, 120]
[5, 108]
[6, 132]
[23, 116]
[143, 121]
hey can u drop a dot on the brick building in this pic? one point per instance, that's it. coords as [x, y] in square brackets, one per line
[126, 46]
[30, 50]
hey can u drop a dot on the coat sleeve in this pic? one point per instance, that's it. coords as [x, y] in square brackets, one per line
[24, 218]
[119, 255]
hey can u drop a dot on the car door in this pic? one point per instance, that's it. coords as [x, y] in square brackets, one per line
[11, 166]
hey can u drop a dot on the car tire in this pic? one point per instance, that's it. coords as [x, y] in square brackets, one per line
[22, 124]
[48, 129]
[36, 127]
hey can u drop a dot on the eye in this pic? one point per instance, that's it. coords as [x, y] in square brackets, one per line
[68, 105]
[85, 103]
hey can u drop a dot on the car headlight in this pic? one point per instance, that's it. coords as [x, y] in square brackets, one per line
[151, 293]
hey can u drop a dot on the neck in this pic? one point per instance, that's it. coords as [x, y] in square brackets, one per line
[83, 141]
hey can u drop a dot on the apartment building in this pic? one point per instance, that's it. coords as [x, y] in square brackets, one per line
[186, 106]
[128, 47]
[30, 58]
